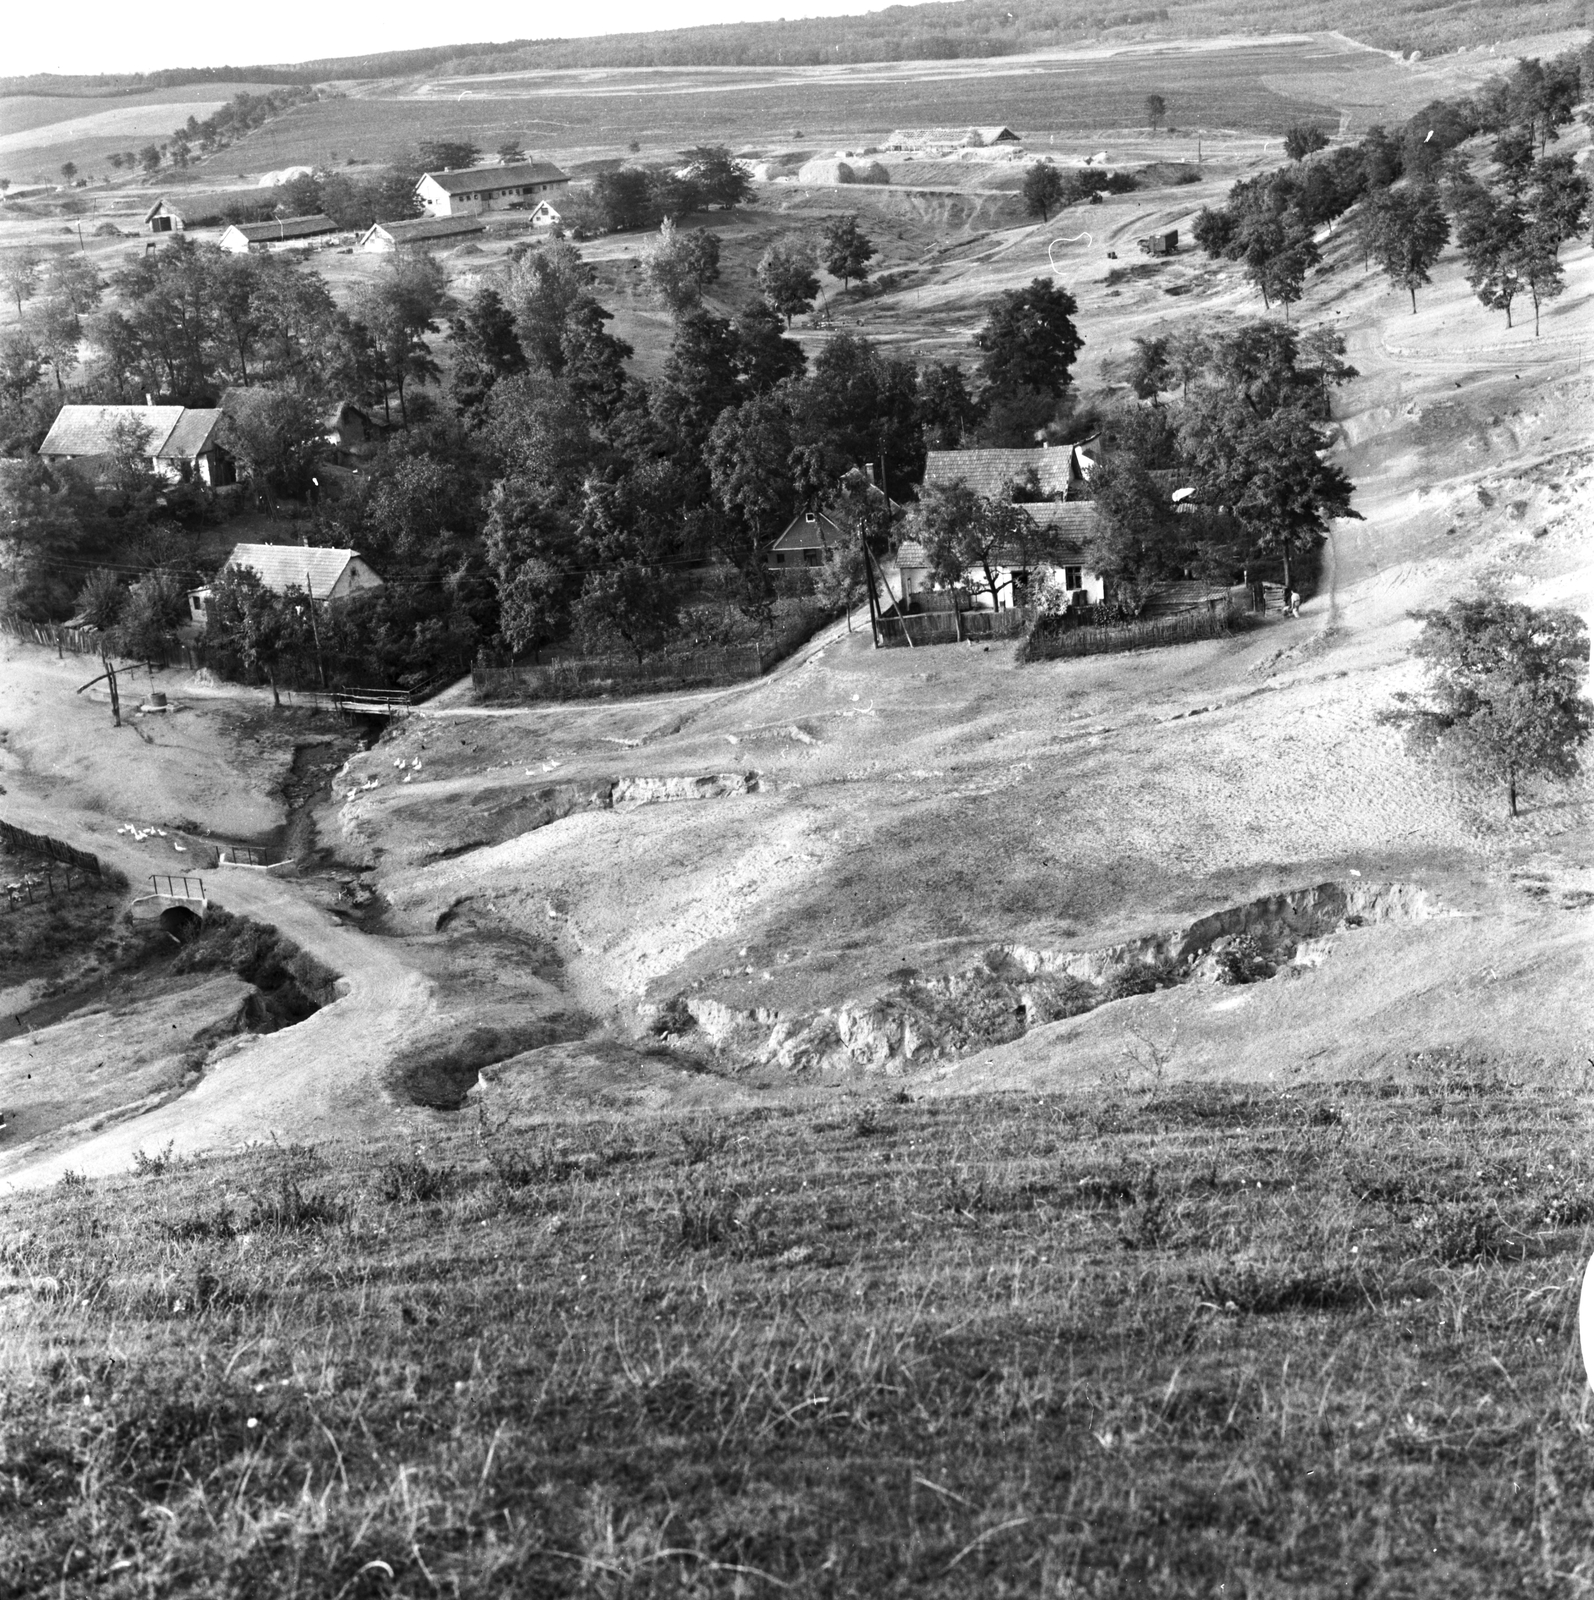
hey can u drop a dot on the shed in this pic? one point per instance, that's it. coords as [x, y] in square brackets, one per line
[543, 215]
[466, 190]
[242, 237]
[163, 217]
[417, 233]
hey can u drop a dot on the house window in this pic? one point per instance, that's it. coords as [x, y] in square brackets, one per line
[1073, 577]
[812, 558]
[810, 517]
[780, 558]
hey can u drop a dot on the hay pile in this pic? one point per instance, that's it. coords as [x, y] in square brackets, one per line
[831, 170]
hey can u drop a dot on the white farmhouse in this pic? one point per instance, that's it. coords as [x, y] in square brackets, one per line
[321, 574]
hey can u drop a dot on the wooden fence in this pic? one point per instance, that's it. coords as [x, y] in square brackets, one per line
[41, 844]
[1052, 638]
[37, 887]
[939, 626]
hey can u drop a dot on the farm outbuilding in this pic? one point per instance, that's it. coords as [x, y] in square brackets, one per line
[178, 442]
[243, 237]
[164, 217]
[543, 215]
[467, 190]
[417, 233]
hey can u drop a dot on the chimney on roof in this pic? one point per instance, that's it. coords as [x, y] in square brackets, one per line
[147, 400]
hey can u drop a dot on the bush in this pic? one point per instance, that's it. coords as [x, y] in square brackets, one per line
[411, 1180]
[1141, 977]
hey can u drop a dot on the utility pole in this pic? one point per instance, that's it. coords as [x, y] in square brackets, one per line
[315, 633]
[874, 599]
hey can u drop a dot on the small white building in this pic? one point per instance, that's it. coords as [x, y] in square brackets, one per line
[321, 574]
[163, 217]
[543, 215]
[467, 190]
[244, 237]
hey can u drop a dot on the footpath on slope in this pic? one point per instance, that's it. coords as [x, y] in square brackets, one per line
[318, 1079]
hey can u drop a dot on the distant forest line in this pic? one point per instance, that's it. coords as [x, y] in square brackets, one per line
[960, 29]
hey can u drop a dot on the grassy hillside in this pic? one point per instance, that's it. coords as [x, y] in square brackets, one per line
[950, 30]
[1183, 1343]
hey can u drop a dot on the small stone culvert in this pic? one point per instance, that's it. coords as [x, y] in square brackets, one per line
[1014, 987]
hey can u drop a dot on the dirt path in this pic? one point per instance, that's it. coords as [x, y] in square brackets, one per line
[321, 1079]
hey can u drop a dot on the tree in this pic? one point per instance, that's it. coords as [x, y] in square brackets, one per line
[530, 605]
[1042, 190]
[749, 460]
[630, 605]
[485, 348]
[677, 267]
[1409, 229]
[147, 626]
[20, 270]
[972, 539]
[700, 379]
[1149, 371]
[1506, 681]
[73, 279]
[99, 601]
[437, 155]
[149, 158]
[69, 170]
[1133, 546]
[511, 150]
[846, 253]
[400, 307]
[786, 276]
[719, 179]
[1156, 111]
[764, 357]
[128, 459]
[544, 287]
[948, 410]
[1029, 341]
[275, 434]
[262, 626]
[623, 199]
[1267, 467]
[1303, 139]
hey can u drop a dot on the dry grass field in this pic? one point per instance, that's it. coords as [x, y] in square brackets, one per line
[1138, 1342]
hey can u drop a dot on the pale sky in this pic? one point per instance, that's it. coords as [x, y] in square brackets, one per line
[112, 36]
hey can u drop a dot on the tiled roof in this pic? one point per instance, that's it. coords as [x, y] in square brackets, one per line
[910, 553]
[284, 566]
[192, 434]
[412, 229]
[286, 228]
[86, 430]
[483, 180]
[989, 472]
[801, 534]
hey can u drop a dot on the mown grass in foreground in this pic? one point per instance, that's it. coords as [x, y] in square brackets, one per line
[1214, 1342]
